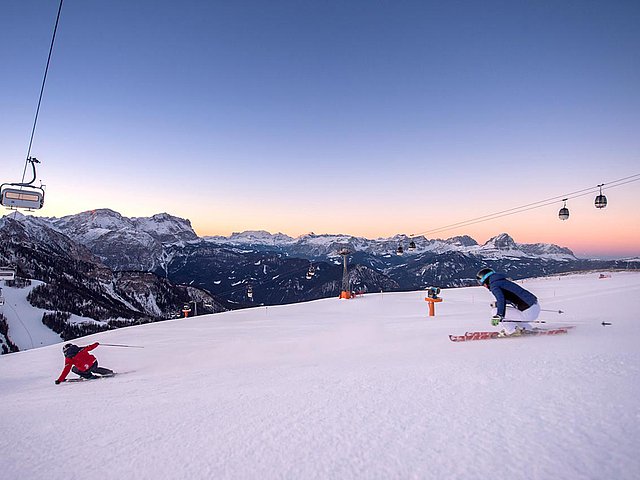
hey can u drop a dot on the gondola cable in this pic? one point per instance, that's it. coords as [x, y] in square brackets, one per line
[523, 208]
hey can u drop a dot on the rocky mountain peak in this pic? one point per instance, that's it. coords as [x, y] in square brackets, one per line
[166, 228]
[502, 242]
[462, 241]
[253, 237]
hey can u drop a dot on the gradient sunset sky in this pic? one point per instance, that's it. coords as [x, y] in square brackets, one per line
[368, 118]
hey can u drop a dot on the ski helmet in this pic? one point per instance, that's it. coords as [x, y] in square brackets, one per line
[70, 350]
[484, 274]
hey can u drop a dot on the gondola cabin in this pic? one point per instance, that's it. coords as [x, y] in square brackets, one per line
[601, 201]
[563, 214]
[311, 272]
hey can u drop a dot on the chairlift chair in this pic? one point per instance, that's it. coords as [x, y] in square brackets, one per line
[7, 273]
[400, 250]
[23, 194]
[31, 198]
[412, 245]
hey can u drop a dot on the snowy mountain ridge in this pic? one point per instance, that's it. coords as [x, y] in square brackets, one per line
[500, 246]
[154, 243]
[103, 230]
[89, 226]
[251, 237]
[138, 243]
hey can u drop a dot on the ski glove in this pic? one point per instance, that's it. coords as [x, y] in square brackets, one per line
[496, 319]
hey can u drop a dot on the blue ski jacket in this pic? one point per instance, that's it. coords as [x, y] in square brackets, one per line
[507, 291]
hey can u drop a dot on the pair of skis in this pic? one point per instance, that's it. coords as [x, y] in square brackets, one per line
[85, 379]
[470, 336]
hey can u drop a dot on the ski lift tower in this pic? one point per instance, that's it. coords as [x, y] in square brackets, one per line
[346, 291]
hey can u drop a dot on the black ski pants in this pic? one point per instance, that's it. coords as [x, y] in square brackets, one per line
[93, 369]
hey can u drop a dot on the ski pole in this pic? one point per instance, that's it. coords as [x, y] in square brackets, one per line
[520, 321]
[118, 345]
[492, 305]
[542, 321]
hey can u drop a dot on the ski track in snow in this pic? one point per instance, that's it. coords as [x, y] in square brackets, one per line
[366, 388]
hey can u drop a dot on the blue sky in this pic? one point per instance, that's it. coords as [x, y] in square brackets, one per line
[370, 118]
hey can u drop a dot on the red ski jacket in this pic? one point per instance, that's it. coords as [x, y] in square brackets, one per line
[82, 361]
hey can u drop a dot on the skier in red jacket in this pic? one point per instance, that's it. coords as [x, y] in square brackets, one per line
[81, 362]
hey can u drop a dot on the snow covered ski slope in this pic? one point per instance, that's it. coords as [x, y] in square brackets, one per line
[369, 388]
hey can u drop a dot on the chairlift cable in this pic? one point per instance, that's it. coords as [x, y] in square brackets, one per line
[44, 80]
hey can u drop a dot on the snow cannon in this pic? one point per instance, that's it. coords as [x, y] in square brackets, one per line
[432, 298]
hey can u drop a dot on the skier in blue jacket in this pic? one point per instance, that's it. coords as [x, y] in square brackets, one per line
[523, 305]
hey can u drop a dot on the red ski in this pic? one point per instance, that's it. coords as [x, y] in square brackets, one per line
[491, 335]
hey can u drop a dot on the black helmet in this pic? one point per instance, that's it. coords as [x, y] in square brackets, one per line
[484, 274]
[70, 350]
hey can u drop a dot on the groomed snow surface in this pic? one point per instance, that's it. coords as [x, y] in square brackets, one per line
[367, 388]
